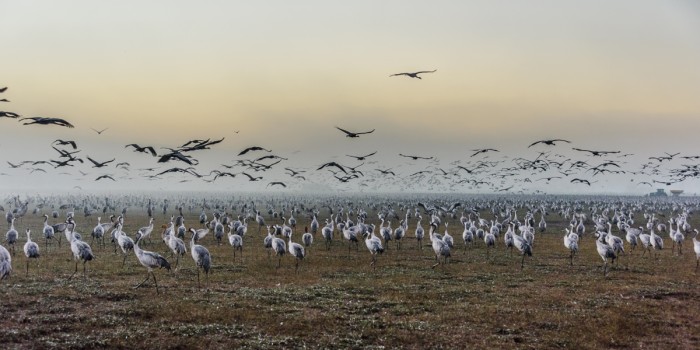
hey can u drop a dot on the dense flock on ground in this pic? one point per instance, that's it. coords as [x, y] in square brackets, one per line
[614, 227]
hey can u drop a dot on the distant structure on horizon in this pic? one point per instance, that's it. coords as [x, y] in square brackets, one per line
[676, 193]
[659, 193]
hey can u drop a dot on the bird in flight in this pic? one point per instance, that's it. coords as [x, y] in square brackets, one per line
[47, 121]
[354, 134]
[415, 157]
[582, 181]
[254, 148]
[360, 158]
[99, 132]
[145, 149]
[8, 115]
[278, 183]
[548, 142]
[595, 153]
[105, 177]
[3, 89]
[414, 74]
[64, 143]
[99, 164]
[484, 150]
[251, 178]
[333, 164]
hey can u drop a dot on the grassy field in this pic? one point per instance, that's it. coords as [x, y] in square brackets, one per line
[337, 301]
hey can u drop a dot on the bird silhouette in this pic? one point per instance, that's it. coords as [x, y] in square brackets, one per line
[99, 132]
[360, 158]
[254, 148]
[9, 115]
[548, 142]
[483, 150]
[354, 134]
[99, 164]
[47, 121]
[414, 74]
[415, 157]
[595, 153]
[145, 149]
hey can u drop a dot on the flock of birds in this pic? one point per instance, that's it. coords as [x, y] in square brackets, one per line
[510, 224]
[486, 169]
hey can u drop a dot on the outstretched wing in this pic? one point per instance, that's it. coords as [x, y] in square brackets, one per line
[345, 131]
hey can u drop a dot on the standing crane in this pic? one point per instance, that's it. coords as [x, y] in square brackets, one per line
[81, 250]
[297, 251]
[150, 261]
[374, 244]
[279, 247]
[440, 248]
[48, 231]
[201, 256]
[11, 236]
[31, 250]
[604, 250]
[236, 242]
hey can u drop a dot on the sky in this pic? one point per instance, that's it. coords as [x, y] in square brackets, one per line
[605, 75]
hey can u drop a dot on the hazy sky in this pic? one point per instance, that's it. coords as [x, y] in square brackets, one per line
[605, 75]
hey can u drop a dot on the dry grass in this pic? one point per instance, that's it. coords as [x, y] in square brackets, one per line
[338, 301]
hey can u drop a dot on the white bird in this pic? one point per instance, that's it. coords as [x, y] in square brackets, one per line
[149, 260]
[386, 232]
[571, 243]
[48, 231]
[201, 257]
[99, 231]
[31, 250]
[467, 236]
[124, 242]
[523, 246]
[81, 250]
[399, 233]
[307, 238]
[604, 250]
[280, 248]
[420, 233]
[176, 245]
[677, 238]
[490, 241]
[267, 241]
[296, 250]
[327, 233]
[5, 263]
[374, 244]
[236, 241]
[448, 238]
[440, 248]
[11, 236]
[147, 230]
[656, 242]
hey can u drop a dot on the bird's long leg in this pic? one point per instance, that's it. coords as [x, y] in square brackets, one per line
[571, 258]
[198, 284]
[154, 281]
[605, 268]
[74, 272]
[296, 267]
[680, 248]
[124, 261]
[27, 267]
[522, 262]
[144, 281]
[85, 268]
